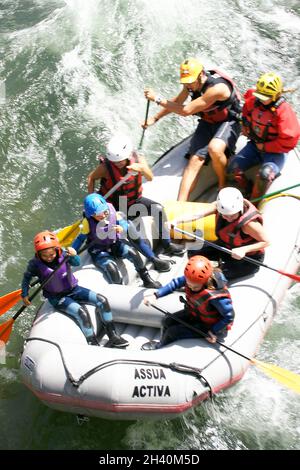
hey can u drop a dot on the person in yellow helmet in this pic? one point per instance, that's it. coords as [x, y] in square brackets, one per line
[216, 100]
[273, 130]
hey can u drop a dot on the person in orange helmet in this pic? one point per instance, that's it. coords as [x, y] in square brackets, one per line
[208, 304]
[63, 291]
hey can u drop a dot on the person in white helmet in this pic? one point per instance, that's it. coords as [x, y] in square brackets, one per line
[121, 158]
[239, 227]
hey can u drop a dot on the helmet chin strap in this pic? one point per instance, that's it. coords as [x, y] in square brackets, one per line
[104, 222]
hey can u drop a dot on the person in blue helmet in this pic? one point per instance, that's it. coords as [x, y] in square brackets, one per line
[103, 226]
[63, 291]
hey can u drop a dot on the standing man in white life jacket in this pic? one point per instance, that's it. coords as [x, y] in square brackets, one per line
[216, 100]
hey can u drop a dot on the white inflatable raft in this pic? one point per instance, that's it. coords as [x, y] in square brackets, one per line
[67, 374]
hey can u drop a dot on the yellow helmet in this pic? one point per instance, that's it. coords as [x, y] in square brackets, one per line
[269, 85]
[190, 70]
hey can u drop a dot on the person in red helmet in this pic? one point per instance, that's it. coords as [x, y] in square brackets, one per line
[63, 291]
[208, 304]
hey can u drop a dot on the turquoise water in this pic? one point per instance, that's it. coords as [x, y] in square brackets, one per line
[72, 72]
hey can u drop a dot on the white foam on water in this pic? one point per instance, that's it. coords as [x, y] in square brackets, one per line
[104, 52]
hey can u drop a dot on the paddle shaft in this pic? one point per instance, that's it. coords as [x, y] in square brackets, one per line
[226, 250]
[146, 119]
[285, 377]
[118, 184]
[196, 330]
[265, 196]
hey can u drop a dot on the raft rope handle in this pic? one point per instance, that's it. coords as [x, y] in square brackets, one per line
[194, 371]
[69, 375]
[181, 368]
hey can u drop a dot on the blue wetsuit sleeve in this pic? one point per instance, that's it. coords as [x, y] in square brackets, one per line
[176, 283]
[124, 224]
[30, 272]
[79, 241]
[225, 308]
[74, 260]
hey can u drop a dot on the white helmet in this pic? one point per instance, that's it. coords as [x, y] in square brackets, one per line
[119, 148]
[230, 201]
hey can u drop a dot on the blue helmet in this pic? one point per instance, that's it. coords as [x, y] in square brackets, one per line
[94, 204]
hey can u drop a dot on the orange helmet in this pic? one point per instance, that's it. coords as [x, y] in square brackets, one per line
[45, 240]
[198, 269]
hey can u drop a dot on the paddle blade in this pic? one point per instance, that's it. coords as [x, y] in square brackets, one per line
[67, 235]
[5, 330]
[295, 277]
[285, 377]
[9, 300]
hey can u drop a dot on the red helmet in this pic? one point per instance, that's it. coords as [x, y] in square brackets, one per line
[45, 240]
[198, 269]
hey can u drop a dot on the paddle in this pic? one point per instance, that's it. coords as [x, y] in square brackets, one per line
[285, 377]
[265, 196]
[6, 327]
[146, 119]
[295, 277]
[65, 236]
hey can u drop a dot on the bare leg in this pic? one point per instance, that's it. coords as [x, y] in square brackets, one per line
[216, 151]
[189, 177]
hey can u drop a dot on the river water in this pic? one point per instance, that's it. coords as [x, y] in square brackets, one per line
[71, 73]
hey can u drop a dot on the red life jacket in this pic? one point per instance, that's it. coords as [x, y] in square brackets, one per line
[231, 234]
[199, 304]
[220, 110]
[261, 120]
[132, 188]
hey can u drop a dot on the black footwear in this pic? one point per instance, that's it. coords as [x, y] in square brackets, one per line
[118, 342]
[248, 190]
[161, 265]
[173, 249]
[147, 280]
[115, 340]
[151, 345]
[92, 341]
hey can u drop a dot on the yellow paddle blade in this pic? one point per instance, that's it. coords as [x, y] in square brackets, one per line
[175, 210]
[285, 377]
[67, 235]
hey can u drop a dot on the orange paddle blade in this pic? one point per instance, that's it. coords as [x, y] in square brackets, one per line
[5, 330]
[9, 300]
